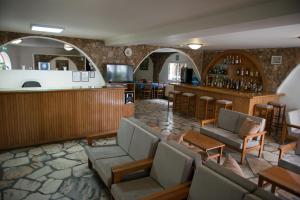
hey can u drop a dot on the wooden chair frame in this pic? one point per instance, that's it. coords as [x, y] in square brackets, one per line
[246, 139]
[283, 149]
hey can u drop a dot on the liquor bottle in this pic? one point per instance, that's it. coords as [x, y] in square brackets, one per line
[237, 60]
[247, 72]
[240, 60]
[256, 74]
[238, 72]
[242, 72]
[251, 73]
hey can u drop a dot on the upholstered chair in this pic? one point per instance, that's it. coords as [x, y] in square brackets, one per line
[291, 127]
[290, 161]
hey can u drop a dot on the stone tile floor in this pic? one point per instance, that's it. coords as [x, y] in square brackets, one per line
[60, 171]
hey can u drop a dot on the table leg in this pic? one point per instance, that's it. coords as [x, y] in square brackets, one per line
[221, 153]
[273, 188]
[260, 181]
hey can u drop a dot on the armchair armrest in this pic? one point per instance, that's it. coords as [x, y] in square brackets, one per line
[207, 121]
[177, 192]
[119, 171]
[100, 135]
[285, 148]
[247, 137]
[293, 126]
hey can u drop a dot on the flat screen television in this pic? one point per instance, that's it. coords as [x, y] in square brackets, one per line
[118, 73]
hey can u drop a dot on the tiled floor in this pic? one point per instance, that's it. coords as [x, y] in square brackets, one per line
[60, 171]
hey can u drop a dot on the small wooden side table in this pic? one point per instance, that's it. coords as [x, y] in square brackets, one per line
[282, 178]
[205, 143]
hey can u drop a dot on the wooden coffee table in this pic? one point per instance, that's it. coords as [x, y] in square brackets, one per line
[282, 178]
[205, 143]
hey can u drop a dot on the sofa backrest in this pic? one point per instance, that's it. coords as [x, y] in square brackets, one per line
[208, 184]
[170, 166]
[293, 117]
[232, 120]
[125, 133]
[241, 181]
[143, 144]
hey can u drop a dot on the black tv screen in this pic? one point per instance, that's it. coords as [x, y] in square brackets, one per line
[116, 73]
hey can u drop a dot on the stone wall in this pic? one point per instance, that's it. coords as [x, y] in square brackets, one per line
[274, 74]
[101, 54]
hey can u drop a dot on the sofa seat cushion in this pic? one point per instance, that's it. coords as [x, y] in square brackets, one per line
[227, 137]
[290, 162]
[98, 152]
[207, 185]
[244, 183]
[135, 189]
[251, 197]
[103, 168]
[143, 144]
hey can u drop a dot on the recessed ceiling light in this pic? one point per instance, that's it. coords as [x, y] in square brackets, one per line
[46, 28]
[195, 46]
[17, 41]
[68, 47]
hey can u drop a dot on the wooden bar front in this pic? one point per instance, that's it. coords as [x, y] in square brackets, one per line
[242, 102]
[36, 117]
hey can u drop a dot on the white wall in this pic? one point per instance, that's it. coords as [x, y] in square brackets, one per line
[145, 74]
[163, 75]
[291, 88]
[14, 79]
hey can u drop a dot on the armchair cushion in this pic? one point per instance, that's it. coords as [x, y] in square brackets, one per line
[143, 144]
[290, 162]
[98, 152]
[248, 127]
[135, 189]
[125, 133]
[226, 137]
[207, 185]
[104, 166]
[170, 166]
[293, 117]
[242, 118]
[227, 119]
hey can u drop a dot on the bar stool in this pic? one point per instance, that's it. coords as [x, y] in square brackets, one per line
[172, 97]
[189, 97]
[222, 103]
[278, 116]
[264, 111]
[208, 106]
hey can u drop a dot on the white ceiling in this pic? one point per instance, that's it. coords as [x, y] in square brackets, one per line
[219, 24]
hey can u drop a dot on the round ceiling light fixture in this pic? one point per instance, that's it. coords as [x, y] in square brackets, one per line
[195, 46]
[68, 47]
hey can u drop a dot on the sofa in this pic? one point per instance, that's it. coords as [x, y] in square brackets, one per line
[133, 143]
[226, 128]
[169, 169]
[290, 161]
[213, 181]
[291, 126]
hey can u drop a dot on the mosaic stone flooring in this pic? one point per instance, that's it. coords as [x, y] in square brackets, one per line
[60, 171]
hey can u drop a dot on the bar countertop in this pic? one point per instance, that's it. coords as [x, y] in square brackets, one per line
[29, 90]
[227, 91]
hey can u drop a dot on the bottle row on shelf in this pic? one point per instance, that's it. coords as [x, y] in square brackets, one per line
[243, 85]
[233, 60]
[247, 72]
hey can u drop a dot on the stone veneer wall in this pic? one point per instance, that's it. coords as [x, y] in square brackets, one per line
[101, 54]
[274, 74]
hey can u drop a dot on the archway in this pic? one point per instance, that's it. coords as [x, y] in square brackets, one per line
[290, 89]
[102, 82]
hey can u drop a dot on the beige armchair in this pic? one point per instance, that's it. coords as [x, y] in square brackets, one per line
[291, 127]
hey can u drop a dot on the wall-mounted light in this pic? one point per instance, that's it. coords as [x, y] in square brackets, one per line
[195, 46]
[68, 47]
[17, 41]
[46, 28]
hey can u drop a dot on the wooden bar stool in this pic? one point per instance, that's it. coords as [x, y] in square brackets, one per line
[208, 106]
[188, 96]
[264, 111]
[172, 97]
[278, 116]
[222, 103]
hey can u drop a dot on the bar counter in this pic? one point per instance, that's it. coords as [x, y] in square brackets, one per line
[37, 116]
[242, 101]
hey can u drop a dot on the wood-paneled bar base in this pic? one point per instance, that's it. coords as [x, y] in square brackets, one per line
[242, 101]
[36, 117]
